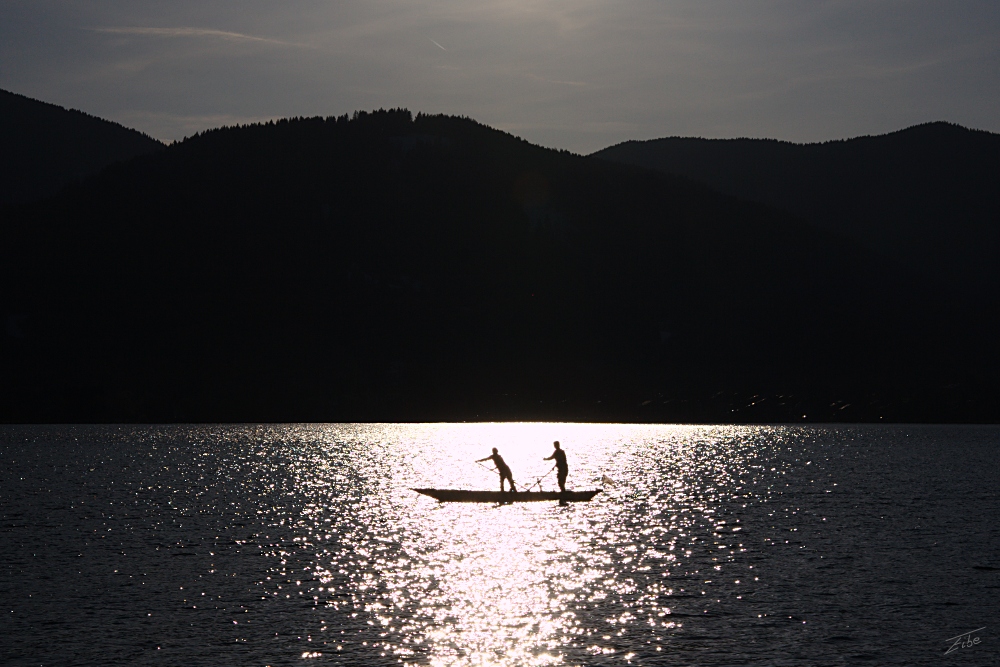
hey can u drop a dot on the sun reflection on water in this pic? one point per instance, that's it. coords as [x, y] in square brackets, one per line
[524, 584]
[304, 544]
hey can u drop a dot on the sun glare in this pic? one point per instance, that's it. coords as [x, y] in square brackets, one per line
[485, 584]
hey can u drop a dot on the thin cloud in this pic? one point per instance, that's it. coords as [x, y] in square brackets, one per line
[438, 45]
[191, 32]
[560, 82]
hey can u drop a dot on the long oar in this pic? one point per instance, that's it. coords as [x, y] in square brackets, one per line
[538, 482]
[492, 470]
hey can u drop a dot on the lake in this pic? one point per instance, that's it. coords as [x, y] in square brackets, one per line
[305, 545]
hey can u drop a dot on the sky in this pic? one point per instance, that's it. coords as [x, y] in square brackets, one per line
[573, 74]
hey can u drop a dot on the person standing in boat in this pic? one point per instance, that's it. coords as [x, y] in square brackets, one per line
[562, 468]
[502, 468]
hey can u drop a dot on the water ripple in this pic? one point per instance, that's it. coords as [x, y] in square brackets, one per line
[289, 544]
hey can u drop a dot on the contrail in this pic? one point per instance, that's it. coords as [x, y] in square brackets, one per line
[189, 32]
[438, 45]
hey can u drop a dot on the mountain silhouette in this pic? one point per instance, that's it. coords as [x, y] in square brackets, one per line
[44, 147]
[390, 267]
[924, 197]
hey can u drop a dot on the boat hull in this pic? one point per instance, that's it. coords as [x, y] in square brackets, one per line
[461, 496]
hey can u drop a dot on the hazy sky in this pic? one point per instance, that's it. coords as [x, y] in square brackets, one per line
[574, 74]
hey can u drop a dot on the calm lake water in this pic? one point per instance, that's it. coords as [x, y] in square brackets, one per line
[304, 545]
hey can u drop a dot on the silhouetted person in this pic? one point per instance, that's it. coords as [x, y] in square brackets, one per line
[562, 469]
[501, 468]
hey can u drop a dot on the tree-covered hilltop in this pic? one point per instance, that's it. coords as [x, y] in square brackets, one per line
[386, 267]
[924, 197]
[43, 147]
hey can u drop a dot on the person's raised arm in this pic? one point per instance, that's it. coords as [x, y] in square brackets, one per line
[486, 459]
[549, 458]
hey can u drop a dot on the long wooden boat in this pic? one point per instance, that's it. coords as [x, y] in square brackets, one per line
[460, 496]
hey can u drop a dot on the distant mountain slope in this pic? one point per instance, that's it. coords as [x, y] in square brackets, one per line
[43, 147]
[385, 267]
[926, 196]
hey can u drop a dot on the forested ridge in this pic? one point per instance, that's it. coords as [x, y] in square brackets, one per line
[390, 267]
[44, 147]
[924, 197]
